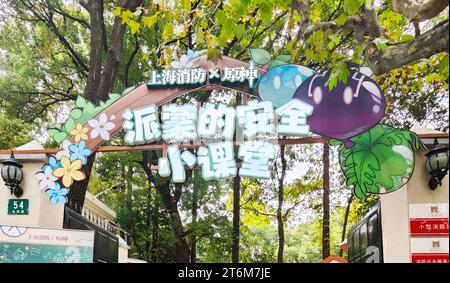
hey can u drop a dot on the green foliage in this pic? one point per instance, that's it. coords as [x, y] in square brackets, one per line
[304, 242]
[339, 72]
[418, 94]
[13, 132]
[258, 244]
[35, 72]
[381, 43]
[382, 160]
[351, 7]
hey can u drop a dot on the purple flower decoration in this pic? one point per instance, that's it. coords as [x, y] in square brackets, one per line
[57, 194]
[79, 151]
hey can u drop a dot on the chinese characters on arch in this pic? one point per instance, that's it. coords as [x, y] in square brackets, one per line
[198, 76]
[294, 100]
[217, 122]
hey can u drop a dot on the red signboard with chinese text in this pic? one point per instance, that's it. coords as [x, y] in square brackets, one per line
[428, 219]
[429, 258]
[428, 226]
[429, 249]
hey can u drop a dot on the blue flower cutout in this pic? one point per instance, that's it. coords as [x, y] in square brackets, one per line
[53, 163]
[79, 151]
[192, 54]
[57, 194]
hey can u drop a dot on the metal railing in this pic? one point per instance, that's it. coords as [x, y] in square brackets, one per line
[101, 222]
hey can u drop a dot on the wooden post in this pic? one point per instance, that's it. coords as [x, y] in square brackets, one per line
[326, 202]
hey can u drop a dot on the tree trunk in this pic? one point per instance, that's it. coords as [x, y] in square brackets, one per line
[236, 198]
[130, 222]
[344, 228]
[182, 252]
[95, 8]
[194, 222]
[155, 228]
[148, 224]
[326, 202]
[236, 218]
[77, 191]
[280, 206]
[100, 83]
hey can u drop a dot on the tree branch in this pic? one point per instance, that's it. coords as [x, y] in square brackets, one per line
[419, 12]
[303, 10]
[191, 20]
[425, 45]
[364, 25]
[60, 11]
[261, 32]
[47, 18]
[227, 49]
[130, 60]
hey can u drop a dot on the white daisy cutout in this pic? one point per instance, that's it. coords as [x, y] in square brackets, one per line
[65, 151]
[101, 127]
[182, 64]
[46, 179]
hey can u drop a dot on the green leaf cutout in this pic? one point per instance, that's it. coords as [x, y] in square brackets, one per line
[260, 56]
[381, 161]
[76, 113]
[69, 125]
[283, 58]
[276, 63]
[83, 112]
[52, 131]
[80, 102]
[60, 136]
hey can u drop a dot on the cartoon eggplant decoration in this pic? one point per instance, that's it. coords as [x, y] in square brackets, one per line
[348, 109]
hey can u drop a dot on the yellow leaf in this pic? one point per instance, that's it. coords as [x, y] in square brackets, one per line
[117, 11]
[294, 54]
[149, 21]
[168, 31]
[134, 26]
[394, 36]
[309, 53]
[126, 16]
[290, 44]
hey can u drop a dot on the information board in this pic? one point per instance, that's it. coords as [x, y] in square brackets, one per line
[37, 245]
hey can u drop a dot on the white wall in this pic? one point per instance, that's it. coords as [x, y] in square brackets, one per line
[395, 214]
[41, 212]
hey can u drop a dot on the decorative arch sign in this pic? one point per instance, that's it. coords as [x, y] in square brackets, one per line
[289, 100]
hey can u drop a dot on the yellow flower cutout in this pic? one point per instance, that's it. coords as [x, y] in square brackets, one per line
[80, 133]
[69, 171]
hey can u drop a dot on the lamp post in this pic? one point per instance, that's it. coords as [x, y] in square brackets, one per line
[437, 164]
[12, 175]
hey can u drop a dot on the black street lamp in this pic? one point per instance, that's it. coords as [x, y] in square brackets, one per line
[12, 175]
[437, 164]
